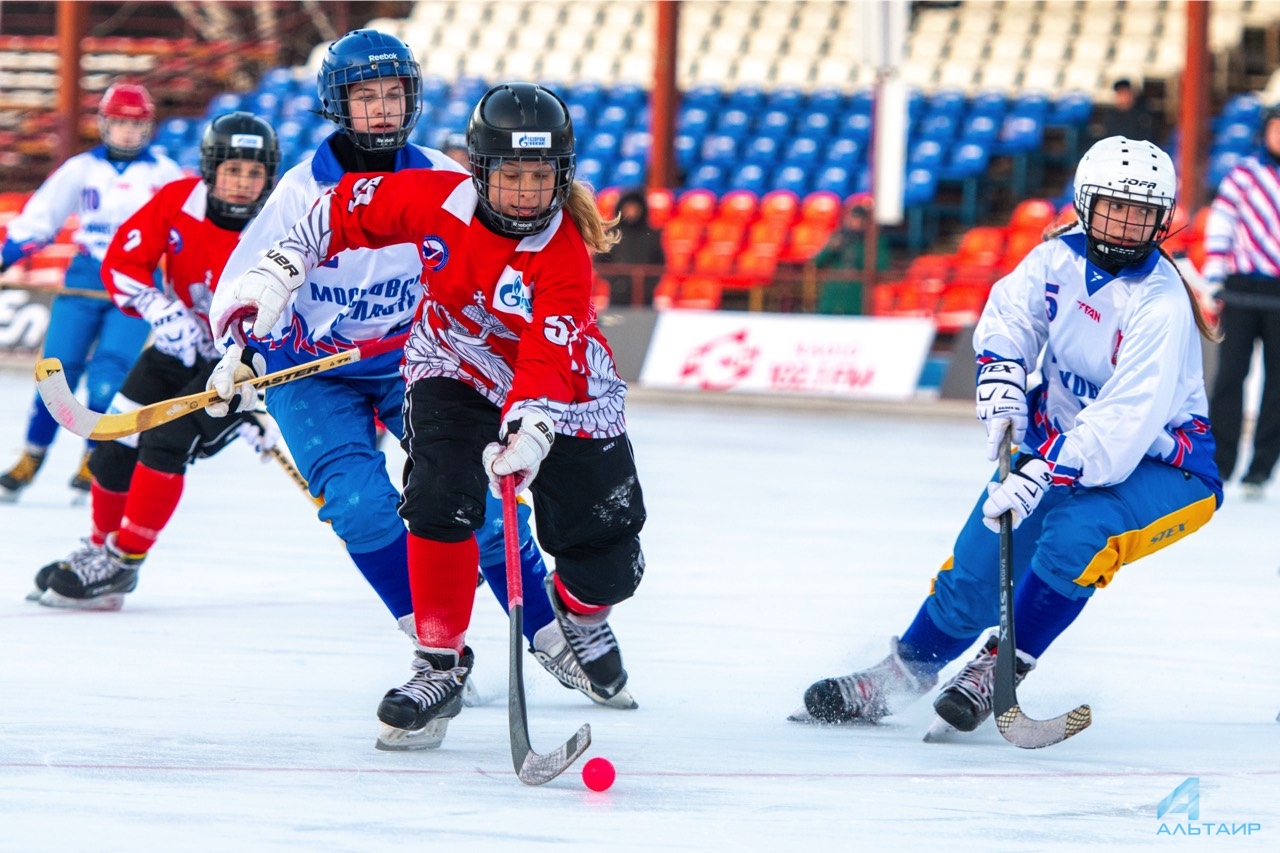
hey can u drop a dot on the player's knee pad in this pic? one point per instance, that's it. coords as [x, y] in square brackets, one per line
[605, 577]
[111, 464]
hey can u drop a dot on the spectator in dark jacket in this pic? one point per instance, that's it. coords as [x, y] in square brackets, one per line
[640, 245]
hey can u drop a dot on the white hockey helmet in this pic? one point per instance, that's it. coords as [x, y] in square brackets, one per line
[1129, 170]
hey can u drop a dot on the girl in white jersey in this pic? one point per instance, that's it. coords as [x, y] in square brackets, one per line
[103, 187]
[1116, 455]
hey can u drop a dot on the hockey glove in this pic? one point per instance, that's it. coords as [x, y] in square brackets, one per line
[238, 366]
[260, 432]
[176, 332]
[1021, 492]
[1002, 399]
[523, 442]
[262, 293]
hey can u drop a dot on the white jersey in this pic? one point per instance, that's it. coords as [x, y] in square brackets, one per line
[103, 193]
[1121, 367]
[359, 296]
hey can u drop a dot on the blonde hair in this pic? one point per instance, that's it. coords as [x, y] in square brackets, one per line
[598, 233]
[1208, 332]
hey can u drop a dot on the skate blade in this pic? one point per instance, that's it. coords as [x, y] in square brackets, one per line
[35, 594]
[430, 736]
[471, 695]
[112, 601]
[940, 731]
[8, 497]
[803, 717]
[79, 497]
[621, 701]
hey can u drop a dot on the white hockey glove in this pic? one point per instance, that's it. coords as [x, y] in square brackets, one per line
[1002, 399]
[262, 293]
[523, 442]
[1021, 492]
[260, 432]
[237, 367]
[175, 330]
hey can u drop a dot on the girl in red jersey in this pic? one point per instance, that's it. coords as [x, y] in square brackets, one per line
[505, 345]
[191, 225]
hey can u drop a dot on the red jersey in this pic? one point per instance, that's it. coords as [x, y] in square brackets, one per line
[172, 227]
[511, 317]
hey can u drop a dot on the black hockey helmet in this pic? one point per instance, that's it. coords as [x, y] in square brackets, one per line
[238, 136]
[521, 122]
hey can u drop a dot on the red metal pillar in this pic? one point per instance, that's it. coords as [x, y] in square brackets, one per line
[665, 98]
[72, 22]
[1193, 112]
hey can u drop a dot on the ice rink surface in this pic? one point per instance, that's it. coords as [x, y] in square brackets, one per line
[230, 704]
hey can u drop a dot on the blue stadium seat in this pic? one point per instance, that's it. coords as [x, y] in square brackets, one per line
[1035, 104]
[1237, 138]
[703, 97]
[226, 102]
[816, 124]
[775, 124]
[833, 102]
[860, 102]
[792, 178]
[721, 149]
[968, 159]
[603, 146]
[751, 177]
[628, 173]
[613, 119]
[980, 128]
[708, 176]
[925, 154]
[763, 151]
[989, 102]
[855, 126]
[590, 170]
[750, 99]
[1071, 108]
[950, 102]
[921, 187]
[1019, 133]
[687, 151]
[589, 93]
[844, 152]
[583, 119]
[803, 152]
[836, 179]
[435, 89]
[942, 128]
[636, 144]
[265, 104]
[694, 121]
[628, 95]
[734, 122]
[787, 99]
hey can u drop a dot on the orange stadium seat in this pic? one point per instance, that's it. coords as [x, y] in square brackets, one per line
[757, 263]
[714, 259]
[700, 292]
[739, 206]
[696, 204]
[982, 246]
[662, 202]
[607, 201]
[1033, 214]
[765, 233]
[1019, 245]
[780, 207]
[726, 233]
[931, 268]
[822, 207]
[807, 239]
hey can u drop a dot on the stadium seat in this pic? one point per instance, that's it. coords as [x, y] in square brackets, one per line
[696, 204]
[793, 179]
[762, 150]
[779, 207]
[698, 293]
[845, 153]
[1033, 214]
[724, 234]
[807, 239]
[708, 177]
[981, 247]
[739, 206]
[822, 207]
[931, 269]
[662, 203]
[1018, 245]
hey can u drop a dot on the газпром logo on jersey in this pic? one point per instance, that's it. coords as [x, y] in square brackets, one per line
[511, 294]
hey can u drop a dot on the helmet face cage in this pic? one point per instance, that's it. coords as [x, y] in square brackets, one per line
[1138, 174]
[238, 136]
[365, 55]
[520, 123]
[126, 102]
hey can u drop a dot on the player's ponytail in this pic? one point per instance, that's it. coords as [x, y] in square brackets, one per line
[1208, 332]
[599, 234]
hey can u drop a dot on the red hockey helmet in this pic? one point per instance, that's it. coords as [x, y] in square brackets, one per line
[127, 100]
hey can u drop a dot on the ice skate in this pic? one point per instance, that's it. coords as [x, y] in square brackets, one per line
[869, 695]
[42, 576]
[965, 700]
[591, 642]
[17, 478]
[551, 650]
[92, 580]
[82, 482]
[1253, 490]
[417, 715]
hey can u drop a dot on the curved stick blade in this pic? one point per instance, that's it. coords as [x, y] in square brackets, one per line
[61, 401]
[1022, 731]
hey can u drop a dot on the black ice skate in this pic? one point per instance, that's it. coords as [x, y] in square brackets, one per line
[965, 701]
[17, 478]
[866, 696]
[594, 647]
[91, 578]
[551, 650]
[417, 715]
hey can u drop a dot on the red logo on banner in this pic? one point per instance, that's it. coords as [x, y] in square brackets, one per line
[720, 363]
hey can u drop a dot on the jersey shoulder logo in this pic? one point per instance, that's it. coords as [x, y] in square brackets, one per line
[435, 254]
[175, 241]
